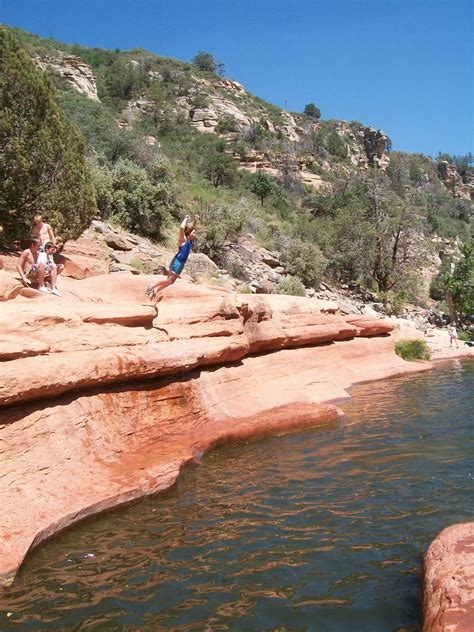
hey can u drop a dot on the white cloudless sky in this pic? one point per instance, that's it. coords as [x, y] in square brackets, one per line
[405, 66]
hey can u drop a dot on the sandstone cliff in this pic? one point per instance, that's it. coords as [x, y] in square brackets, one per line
[102, 400]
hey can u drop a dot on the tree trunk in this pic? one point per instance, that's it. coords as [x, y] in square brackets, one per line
[452, 311]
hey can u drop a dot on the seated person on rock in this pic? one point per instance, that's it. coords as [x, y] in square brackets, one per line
[46, 259]
[34, 273]
[187, 232]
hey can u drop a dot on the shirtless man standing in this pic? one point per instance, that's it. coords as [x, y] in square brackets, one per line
[42, 231]
[33, 273]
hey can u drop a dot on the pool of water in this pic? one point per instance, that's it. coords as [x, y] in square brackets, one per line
[321, 530]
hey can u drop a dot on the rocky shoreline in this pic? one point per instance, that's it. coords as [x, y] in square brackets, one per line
[103, 400]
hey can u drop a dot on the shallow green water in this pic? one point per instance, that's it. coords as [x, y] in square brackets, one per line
[321, 530]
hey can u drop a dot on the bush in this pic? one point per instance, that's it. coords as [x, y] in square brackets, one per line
[226, 124]
[244, 289]
[305, 261]
[312, 111]
[220, 169]
[143, 266]
[206, 62]
[413, 350]
[219, 223]
[290, 285]
[141, 199]
[464, 336]
[200, 102]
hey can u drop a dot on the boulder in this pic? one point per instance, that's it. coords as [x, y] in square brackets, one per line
[201, 268]
[448, 587]
[115, 241]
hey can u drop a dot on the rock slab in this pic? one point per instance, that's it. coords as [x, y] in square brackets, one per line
[448, 599]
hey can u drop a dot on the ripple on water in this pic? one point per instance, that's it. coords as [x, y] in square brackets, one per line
[320, 530]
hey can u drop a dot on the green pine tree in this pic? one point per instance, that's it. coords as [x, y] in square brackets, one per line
[42, 156]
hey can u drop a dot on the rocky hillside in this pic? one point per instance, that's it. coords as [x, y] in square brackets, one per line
[217, 105]
[327, 197]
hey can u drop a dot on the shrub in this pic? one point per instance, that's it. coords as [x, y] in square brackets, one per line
[200, 102]
[312, 111]
[144, 266]
[290, 285]
[305, 261]
[219, 223]
[413, 350]
[140, 200]
[226, 124]
[206, 62]
[464, 336]
[244, 289]
[261, 185]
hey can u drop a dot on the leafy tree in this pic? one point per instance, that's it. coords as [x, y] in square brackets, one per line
[42, 156]
[261, 185]
[220, 169]
[456, 282]
[208, 63]
[312, 111]
[376, 235]
[102, 183]
[141, 198]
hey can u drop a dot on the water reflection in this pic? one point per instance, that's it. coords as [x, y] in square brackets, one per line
[321, 530]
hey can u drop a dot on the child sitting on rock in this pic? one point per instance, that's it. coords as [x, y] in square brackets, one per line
[34, 273]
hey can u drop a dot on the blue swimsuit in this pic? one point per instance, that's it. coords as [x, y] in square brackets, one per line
[181, 257]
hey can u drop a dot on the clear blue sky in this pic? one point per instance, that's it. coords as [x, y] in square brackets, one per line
[405, 66]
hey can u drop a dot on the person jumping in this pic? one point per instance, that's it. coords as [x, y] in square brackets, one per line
[187, 232]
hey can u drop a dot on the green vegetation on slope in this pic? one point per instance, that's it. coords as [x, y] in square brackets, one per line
[363, 226]
[42, 160]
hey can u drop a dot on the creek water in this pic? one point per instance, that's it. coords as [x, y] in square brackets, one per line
[319, 530]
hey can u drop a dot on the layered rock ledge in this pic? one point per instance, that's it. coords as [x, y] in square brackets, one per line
[448, 602]
[103, 400]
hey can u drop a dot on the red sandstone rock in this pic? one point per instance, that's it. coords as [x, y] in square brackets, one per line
[85, 453]
[110, 436]
[84, 258]
[449, 581]
[368, 326]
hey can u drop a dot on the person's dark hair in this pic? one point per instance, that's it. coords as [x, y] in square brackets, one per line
[32, 241]
[49, 244]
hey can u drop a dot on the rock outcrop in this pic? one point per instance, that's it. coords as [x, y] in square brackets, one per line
[76, 73]
[448, 600]
[375, 143]
[102, 400]
[453, 181]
